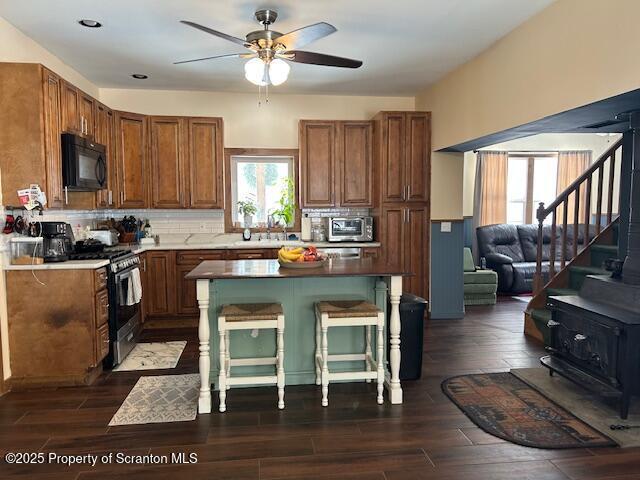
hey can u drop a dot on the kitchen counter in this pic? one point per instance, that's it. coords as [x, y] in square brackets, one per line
[68, 265]
[223, 282]
[254, 244]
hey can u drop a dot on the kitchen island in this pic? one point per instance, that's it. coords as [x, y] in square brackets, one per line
[222, 282]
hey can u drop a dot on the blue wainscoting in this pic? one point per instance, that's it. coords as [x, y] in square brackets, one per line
[447, 283]
[468, 232]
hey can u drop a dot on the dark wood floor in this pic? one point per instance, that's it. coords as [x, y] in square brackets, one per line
[355, 439]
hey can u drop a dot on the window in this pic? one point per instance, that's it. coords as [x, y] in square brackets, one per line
[531, 179]
[261, 180]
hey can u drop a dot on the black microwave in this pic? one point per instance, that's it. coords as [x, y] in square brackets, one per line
[84, 164]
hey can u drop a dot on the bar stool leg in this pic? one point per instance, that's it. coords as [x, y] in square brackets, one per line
[228, 357]
[318, 355]
[325, 367]
[222, 377]
[380, 357]
[367, 352]
[280, 373]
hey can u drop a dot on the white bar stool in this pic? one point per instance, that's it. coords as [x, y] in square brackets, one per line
[349, 313]
[250, 316]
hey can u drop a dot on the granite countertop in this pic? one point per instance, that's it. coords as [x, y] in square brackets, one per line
[68, 265]
[343, 267]
[239, 244]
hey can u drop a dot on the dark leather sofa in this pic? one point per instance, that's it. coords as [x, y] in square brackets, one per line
[511, 250]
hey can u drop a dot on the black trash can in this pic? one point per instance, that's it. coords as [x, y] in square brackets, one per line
[412, 310]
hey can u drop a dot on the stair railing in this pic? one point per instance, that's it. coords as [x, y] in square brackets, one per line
[568, 251]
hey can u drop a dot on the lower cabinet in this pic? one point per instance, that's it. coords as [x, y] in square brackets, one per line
[61, 335]
[161, 279]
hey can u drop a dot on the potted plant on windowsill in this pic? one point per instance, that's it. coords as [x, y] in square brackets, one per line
[247, 209]
[287, 206]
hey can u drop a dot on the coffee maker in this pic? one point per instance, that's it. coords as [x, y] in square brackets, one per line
[57, 241]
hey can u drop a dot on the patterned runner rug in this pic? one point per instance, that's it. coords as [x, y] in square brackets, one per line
[504, 406]
[152, 356]
[165, 398]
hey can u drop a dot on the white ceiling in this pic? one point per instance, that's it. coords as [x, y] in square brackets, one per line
[405, 44]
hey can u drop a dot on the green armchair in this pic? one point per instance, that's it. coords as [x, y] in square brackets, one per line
[479, 285]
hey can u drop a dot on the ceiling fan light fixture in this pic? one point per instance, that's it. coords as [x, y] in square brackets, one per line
[254, 71]
[278, 71]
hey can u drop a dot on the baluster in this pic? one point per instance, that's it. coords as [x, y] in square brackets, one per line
[587, 210]
[538, 278]
[612, 173]
[565, 209]
[599, 200]
[552, 246]
[576, 220]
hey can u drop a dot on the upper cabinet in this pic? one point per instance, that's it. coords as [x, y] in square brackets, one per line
[336, 164]
[87, 115]
[104, 134]
[167, 162]
[78, 111]
[206, 160]
[131, 162]
[53, 148]
[404, 143]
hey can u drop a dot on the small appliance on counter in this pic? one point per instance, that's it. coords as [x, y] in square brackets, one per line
[57, 241]
[108, 237]
[350, 229]
[26, 251]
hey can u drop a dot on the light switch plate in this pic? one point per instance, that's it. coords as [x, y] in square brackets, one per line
[445, 227]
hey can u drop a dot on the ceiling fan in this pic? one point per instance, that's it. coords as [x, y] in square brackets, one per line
[269, 49]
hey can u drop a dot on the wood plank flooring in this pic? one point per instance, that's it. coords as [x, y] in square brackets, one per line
[353, 439]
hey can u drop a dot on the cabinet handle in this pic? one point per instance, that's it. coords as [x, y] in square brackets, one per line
[110, 198]
[121, 198]
[66, 196]
[408, 192]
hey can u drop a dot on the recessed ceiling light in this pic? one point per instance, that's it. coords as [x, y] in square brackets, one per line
[140, 76]
[89, 23]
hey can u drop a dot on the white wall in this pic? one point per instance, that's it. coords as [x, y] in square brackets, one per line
[547, 141]
[272, 125]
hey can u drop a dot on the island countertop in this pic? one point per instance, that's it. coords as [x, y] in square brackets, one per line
[343, 267]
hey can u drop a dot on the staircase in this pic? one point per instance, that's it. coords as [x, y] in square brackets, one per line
[580, 246]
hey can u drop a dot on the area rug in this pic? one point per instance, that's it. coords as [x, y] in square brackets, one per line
[505, 406]
[152, 356]
[597, 411]
[161, 399]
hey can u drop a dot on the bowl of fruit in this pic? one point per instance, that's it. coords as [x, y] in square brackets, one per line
[301, 257]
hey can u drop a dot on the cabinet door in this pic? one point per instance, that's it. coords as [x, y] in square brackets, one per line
[418, 151]
[187, 302]
[393, 240]
[161, 283]
[104, 135]
[131, 160]
[317, 163]
[416, 238]
[355, 152]
[167, 162]
[206, 160]
[87, 115]
[70, 111]
[393, 157]
[52, 129]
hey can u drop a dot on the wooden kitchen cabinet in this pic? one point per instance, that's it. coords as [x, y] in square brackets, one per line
[336, 164]
[168, 162]
[404, 146]
[373, 252]
[392, 238]
[52, 131]
[70, 114]
[186, 291]
[104, 134]
[317, 163]
[132, 166]
[87, 115]
[62, 338]
[161, 283]
[206, 160]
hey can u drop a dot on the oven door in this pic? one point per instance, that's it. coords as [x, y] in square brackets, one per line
[126, 319]
[346, 229]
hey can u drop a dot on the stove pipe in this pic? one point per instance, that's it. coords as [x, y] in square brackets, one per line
[631, 268]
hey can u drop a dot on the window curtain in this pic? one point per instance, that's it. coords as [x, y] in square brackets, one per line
[490, 195]
[572, 164]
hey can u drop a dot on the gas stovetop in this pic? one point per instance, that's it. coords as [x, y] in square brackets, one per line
[111, 255]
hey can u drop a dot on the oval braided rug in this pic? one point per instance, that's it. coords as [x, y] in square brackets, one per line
[505, 406]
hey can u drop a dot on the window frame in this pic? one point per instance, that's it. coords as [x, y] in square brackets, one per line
[529, 207]
[229, 226]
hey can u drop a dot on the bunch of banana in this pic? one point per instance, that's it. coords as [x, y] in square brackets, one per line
[287, 255]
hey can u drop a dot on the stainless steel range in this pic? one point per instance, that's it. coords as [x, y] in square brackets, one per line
[124, 314]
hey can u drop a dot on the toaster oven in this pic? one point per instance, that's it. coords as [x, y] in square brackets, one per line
[350, 229]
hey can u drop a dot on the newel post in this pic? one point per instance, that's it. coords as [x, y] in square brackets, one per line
[631, 268]
[540, 215]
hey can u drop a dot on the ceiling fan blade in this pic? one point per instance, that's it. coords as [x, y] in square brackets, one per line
[305, 35]
[230, 55]
[235, 40]
[321, 59]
